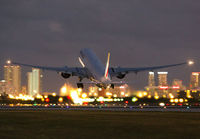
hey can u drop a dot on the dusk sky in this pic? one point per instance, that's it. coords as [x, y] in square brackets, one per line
[137, 33]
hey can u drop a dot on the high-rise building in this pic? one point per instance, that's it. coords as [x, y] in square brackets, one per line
[194, 80]
[151, 79]
[2, 87]
[12, 77]
[178, 84]
[162, 78]
[34, 82]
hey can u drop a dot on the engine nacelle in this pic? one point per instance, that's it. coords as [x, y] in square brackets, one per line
[121, 76]
[65, 75]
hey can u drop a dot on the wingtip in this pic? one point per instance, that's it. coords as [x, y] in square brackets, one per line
[190, 62]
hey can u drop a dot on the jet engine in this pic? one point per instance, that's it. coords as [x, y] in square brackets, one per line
[65, 75]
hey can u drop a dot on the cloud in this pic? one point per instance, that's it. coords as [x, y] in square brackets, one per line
[55, 27]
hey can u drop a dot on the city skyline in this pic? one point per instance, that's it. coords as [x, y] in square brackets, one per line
[34, 80]
[141, 32]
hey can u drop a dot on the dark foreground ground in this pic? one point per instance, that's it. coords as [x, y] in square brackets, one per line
[98, 124]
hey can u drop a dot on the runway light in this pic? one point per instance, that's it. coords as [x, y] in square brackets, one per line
[54, 94]
[181, 100]
[140, 95]
[162, 104]
[100, 99]
[134, 99]
[149, 96]
[145, 93]
[39, 96]
[60, 99]
[88, 100]
[171, 96]
[176, 100]
[47, 100]
[156, 97]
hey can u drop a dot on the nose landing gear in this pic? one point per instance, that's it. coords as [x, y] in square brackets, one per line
[80, 85]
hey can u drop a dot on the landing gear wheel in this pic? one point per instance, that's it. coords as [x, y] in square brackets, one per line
[112, 86]
[80, 85]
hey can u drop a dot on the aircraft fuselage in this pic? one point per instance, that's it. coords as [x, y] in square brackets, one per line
[95, 68]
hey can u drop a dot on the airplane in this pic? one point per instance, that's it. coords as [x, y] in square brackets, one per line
[93, 69]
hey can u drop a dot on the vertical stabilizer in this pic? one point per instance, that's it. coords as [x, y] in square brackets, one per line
[107, 66]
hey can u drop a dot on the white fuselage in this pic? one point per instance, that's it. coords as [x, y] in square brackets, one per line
[95, 68]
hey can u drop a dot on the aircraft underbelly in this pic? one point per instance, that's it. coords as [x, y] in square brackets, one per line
[93, 64]
[96, 73]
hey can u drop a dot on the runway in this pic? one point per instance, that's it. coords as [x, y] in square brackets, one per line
[103, 108]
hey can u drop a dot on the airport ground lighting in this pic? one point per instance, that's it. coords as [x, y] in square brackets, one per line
[64, 89]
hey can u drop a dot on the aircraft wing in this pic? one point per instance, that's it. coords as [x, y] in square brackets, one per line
[73, 70]
[119, 70]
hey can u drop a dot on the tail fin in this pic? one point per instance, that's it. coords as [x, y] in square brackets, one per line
[107, 66]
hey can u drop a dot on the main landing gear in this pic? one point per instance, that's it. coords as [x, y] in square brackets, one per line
[112, 86]
[80, 85]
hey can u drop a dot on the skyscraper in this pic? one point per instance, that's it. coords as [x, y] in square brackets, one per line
[12, 77]
[151, 79]
[178, 84]
[194, 80]
[2, 87]
[34, 82]
[162, 78]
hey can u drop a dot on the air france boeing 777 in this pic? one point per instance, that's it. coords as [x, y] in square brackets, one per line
[93, 69]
